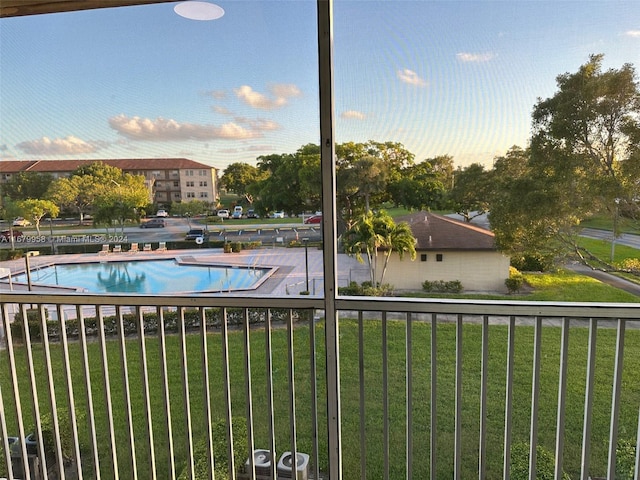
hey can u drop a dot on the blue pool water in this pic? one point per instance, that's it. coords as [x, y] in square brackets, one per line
[146, 276]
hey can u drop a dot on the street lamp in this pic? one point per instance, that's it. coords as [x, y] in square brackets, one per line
[615, 230]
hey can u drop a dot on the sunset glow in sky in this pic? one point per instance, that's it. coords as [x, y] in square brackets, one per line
[441, 77]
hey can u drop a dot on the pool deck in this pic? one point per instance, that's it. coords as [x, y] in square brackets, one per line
[289, 279]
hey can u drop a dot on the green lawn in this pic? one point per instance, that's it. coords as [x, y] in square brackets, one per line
[605, 222]
[421, 353]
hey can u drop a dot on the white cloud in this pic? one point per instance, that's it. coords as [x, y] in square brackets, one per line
[280, 94]
[353, 115]
[633, 33]
[474, 57]
[221, 110]
[161, 129]
[409, 76]
[69, 145]
[259, 124]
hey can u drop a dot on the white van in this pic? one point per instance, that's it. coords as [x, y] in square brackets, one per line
[237, 212]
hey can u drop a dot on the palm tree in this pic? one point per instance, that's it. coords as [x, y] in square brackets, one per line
[398, 238]
[374, 232]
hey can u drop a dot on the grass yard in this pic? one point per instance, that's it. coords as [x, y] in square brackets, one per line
[421, 354]
[602, 249]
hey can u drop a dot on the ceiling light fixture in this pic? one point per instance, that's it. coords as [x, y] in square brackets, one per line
[194, 10]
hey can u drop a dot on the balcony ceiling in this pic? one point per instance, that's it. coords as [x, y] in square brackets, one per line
[18, 8]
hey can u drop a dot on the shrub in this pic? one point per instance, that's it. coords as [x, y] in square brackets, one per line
[6, 254]
[440, 286]
[366, 289]
[221, 463]
[545, 463]
[515, 281]
[514, 284]
[630, 265]
[64, 427]
[625, 459]
[3, 462]
[532, 262]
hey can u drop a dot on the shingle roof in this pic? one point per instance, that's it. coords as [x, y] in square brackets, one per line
[436, 232]
[15, 166]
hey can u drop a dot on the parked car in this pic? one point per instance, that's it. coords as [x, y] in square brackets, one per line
[313, 219]
[223, 213]
[278, 214]
[21, 222]
[251, 213]
[162, 213]
[237, 215]
[5, 235]
[196, 233]
[153, 223]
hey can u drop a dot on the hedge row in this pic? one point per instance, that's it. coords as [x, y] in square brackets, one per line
[213, 319]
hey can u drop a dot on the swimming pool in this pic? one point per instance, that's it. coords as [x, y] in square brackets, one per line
[147, 276]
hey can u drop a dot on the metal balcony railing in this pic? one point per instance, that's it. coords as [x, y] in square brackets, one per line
[170, 387]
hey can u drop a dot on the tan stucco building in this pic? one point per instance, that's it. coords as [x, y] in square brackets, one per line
[449, 250]
[168, 179]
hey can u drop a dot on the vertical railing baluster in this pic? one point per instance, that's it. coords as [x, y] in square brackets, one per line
[52, 392]
[292, 395]
[409, 399]
[166, 392]
[314, 395]
[184, 363]
[227, 393]
[433, 437]
[34, 390]
[124, 365]
[107, 390]
[636, 470]
[588, 400]
[71, 401]
[535, 395]
[562, 397]
[4, 436]
[144, 373]
[208, 414]
[457, 459]
[87, 382]
[16, 395]
[385, 396]
[615, 399]
[508, 401]
[362, 413]
[270, 406]
[484, 381]
[249, 392]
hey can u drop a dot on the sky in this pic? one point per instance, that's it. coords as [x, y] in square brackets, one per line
[448, 77]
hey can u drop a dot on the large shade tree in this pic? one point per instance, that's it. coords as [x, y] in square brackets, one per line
[35, 209]
[23, 185]
[469, 195]
[239, 176]
[583, 159]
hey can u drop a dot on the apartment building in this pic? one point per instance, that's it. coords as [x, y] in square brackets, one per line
[168, 179]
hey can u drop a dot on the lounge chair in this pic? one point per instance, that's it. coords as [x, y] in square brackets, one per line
[134, 248]
[147, 247]
[105, 250]
[162, 247]
[117, 249]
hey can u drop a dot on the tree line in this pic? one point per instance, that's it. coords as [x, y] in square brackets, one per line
[582, 159]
